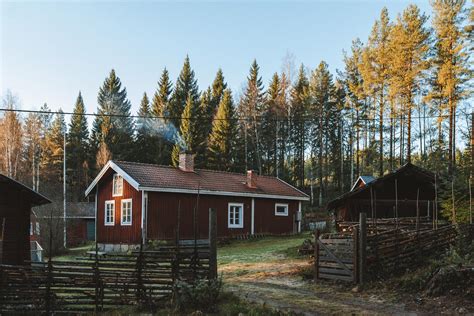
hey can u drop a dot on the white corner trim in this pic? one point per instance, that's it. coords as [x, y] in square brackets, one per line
[241, 223]
[122, 223]
[118, 170]
[285, 205]
[252, 222]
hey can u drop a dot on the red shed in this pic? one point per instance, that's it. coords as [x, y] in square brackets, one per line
[16, 201]
[135, 201]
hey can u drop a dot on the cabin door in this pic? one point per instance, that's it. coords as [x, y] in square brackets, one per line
[90, 230]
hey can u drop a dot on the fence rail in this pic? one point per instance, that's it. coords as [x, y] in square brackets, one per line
[97, 283]
[368, 250]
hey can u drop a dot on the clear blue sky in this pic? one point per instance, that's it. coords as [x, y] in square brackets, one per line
[51, 50]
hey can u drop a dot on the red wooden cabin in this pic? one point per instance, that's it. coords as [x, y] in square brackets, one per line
[16, 201]
[136, 201]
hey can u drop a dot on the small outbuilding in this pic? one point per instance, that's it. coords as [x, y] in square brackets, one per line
[80, 223]
[16, 201]
[397, 194]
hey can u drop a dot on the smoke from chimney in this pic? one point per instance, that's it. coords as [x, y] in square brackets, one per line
[186, 162]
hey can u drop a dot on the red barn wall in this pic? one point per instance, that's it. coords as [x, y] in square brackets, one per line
[267, 222]
[118, 234]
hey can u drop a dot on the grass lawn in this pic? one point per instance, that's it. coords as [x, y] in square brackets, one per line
[72, 253]
[257, 250]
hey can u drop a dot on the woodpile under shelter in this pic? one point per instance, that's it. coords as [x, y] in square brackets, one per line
[16, 201]
[406, 192]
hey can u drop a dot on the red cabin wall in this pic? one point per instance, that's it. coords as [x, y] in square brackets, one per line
[267, 222]
[162, 215]
[118, 234]
[16, 210]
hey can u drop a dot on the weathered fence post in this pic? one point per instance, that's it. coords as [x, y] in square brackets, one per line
[362, 247]
[316, 254]
[355, 255]
[212, 244]
[96, 278]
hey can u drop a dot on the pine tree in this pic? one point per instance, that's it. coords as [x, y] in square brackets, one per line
[144, 138]
[250, 108]
[185, 86]
[33, 142]
[222, 138]
[77, 150]
[113, 125]
[452, 60]
[409, 45]
[375, 71]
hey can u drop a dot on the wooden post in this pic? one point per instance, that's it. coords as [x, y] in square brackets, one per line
[316, 254]
[212, 244]
[355, 255]
[362, 247]
[435, 206]
[96, 278]
[396, 203]
[417, 209]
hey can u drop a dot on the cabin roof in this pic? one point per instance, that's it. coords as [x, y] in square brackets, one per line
[364, 179]
[423, 173]
[150, 177]
[80, 209]
[35, 197]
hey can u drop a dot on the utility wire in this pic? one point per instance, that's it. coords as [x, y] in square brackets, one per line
[248, 118]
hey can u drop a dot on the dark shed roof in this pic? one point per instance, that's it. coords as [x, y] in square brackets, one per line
[421, 176]
[35, 197]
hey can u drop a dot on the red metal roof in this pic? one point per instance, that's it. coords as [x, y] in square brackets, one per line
[151, 176]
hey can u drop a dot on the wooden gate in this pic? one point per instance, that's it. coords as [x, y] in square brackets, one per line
[336, 257]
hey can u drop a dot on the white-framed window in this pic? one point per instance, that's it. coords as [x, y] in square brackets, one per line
[117, 188]
[236, 215]
[281, 209]
[126, 213]
[109, 218]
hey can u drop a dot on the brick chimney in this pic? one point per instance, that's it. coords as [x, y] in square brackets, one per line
[186, 162]
[251, 179]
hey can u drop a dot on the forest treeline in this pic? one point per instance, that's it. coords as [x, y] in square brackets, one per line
[403, 96]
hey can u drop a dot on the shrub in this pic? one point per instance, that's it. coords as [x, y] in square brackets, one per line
[202, 294]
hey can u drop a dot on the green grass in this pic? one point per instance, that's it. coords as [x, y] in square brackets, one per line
[265, 249]
[72, 253]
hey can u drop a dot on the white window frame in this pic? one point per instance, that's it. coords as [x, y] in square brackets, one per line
[281, 205]
[121, 212]
[37, 227]
[241, 217]
[116, 178]
[112, 223]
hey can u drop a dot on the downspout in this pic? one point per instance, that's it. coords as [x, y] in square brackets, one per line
[143, 218]
[300, 217]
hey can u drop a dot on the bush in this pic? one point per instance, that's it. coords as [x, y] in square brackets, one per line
[202, 294]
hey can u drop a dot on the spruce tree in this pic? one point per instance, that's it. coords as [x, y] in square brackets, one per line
[144, 138]
[250, 108]
[54, 154]
[218, 87]
[187, 132]
[298, 138]
[185, 87]
[221, 149]
[77, 150]
[203, 125]
[113, 125]
[160, 109]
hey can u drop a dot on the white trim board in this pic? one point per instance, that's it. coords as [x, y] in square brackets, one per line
[226, 193]
[118, 170]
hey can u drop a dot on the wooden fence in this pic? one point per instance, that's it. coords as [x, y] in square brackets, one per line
[96, 283]
[365, 250]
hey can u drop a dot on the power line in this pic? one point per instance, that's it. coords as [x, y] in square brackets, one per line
[247, 118]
